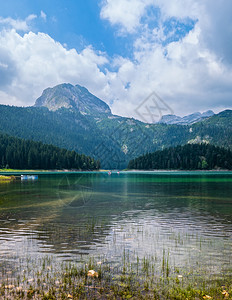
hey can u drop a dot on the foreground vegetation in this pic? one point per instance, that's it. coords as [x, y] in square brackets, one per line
[17, 153]
[6, 178]
[99, 280]
[188, 157]
[20, 170]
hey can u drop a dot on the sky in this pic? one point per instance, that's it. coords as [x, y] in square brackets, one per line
[122, 51]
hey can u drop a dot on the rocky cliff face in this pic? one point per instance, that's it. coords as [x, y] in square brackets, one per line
[72, 97]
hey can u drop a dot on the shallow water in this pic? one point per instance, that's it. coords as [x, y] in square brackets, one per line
[184, 217]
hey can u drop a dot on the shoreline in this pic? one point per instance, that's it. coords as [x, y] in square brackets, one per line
[16, 172]
[7, 178]
[163, 170]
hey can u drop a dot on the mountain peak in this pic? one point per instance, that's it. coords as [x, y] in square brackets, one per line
[187, 120]
[76, 97]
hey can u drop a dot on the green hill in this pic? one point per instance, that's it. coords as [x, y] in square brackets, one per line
[187, 157]
[77, 120]
[17, 153]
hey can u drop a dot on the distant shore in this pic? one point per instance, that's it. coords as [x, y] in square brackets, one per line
[157, 170]
[17, 172]
[46, 171]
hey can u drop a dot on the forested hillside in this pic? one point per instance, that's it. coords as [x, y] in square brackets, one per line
[113, 140]
[187, 157]
[17, 153]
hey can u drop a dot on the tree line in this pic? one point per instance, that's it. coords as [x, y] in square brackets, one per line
[98, 137]
[187, 157]
[16, 153]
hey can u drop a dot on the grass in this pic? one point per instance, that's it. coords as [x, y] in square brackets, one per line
[6, 178]
[44, 279]
[17, 170]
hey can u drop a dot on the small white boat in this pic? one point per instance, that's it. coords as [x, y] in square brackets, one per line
[29, 177]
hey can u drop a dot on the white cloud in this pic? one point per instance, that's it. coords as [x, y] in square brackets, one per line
[186, 75]
[43, 15]
[10, 100]
[18, 24]
[31, 17]
[190, 74]
[217, 29]
[34, 61]
[180, 8]
[126, 13]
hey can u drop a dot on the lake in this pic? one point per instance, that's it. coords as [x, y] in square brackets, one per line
[182, 217]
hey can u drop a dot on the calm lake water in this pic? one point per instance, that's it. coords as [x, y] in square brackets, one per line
[185, 216]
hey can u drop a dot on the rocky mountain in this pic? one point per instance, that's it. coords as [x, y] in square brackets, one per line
[76, 97]
[187, 120]
[70, 117]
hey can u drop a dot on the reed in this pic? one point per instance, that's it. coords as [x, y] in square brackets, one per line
[139, 279]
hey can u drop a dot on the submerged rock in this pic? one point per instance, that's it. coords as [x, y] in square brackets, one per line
[92, 273]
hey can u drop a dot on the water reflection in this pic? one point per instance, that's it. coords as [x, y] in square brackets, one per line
[72, 216]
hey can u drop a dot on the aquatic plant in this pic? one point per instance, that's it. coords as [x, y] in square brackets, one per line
[100, 280]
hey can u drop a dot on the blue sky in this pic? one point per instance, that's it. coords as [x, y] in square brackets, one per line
[75, 23]
[121, 50]
[78, 24]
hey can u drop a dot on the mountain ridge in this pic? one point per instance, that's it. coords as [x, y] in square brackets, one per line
[114, 140]
[186, 120]
[76, 97]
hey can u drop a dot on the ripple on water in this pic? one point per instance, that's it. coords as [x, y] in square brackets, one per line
[138, 215]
